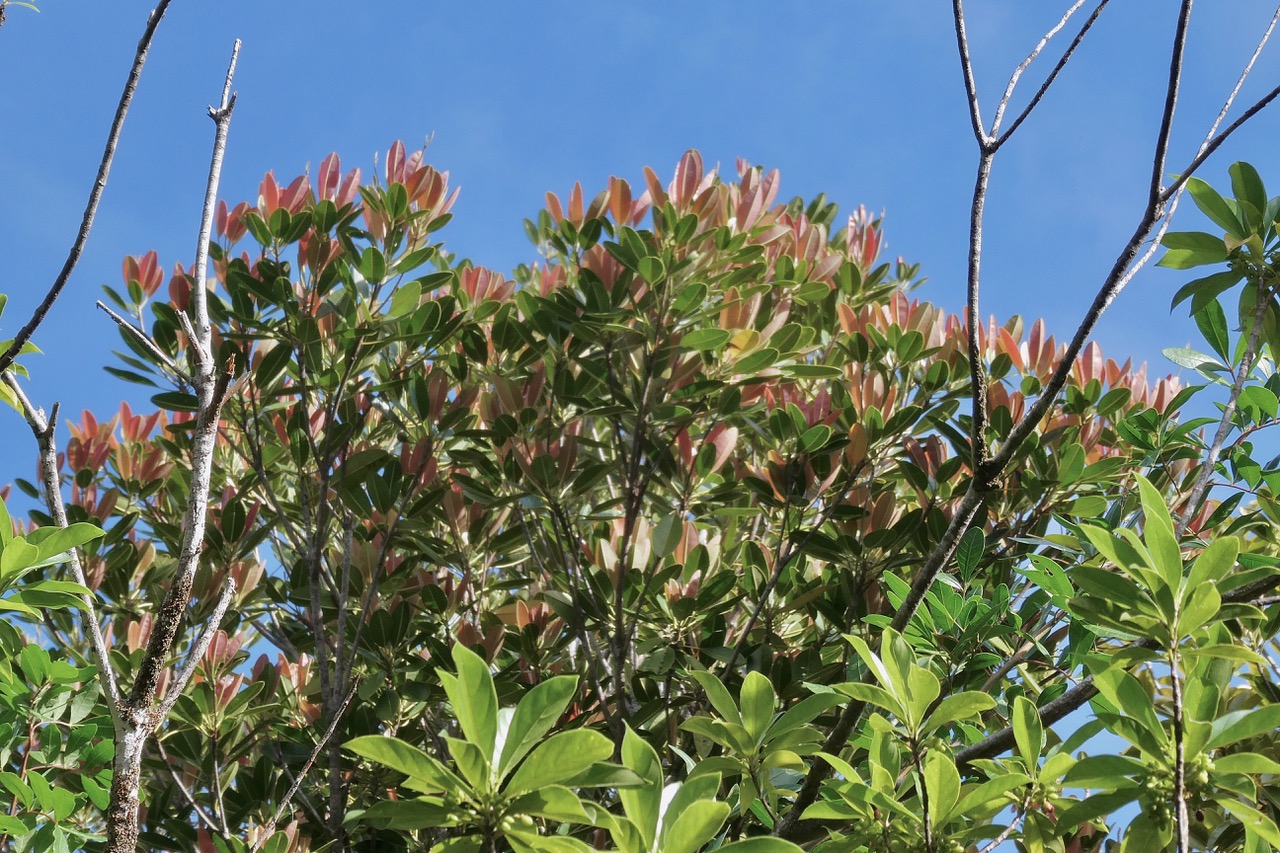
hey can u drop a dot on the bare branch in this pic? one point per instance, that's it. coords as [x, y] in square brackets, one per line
[198, 648]
[1008, 830]
[270, 828]
[1026, 63]
[205, 817]
[221, 116]
[95, 195]
[966, 66]
[973, 320]
[1156, 197]
[44, 430]
[164, 629]
[147, 344]
[1207, 150]
[1244, 75]
[1048, 81]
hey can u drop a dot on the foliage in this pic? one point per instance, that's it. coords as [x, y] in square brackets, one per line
[600, 554]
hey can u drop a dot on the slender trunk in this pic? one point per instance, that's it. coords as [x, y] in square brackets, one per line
[132, 733]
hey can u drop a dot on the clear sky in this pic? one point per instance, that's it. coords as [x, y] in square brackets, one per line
[862, 100]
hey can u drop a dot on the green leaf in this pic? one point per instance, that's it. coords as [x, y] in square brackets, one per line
[760, 844]
[1254, 821]
[1195, 240]
[697, 824]
[1124, 692]
[534, 716]
[958, 706]
[969, 551]
[373, 265]
[1203, 605]
[1214, 562]
[1191, 359]
[641, 803]
[758, 704]
[719, 696]
[553, 802]
[58, 540]
[804, 711]
[1028, 731]
[1159, 535]
[942, 781]
[873, 694]
[1248, 763]
[474, 699]
[1247, 186]
[1239, 725]
[426, 771]
[176, 401]
[706, 339]
[561, 756]
[408, 815]
[1104, 771]
[1204, 290]
[1212, 322]
[17, 556]
[1215, 207]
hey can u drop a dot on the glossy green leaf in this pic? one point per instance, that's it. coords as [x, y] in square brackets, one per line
[407, 759]
[641, 803]
[1028, 732]
[942, 781]
[719, 696]
[474, 700]
[1239, 725]
[561, 756]
[534, 716]
[1214, 206]
[758, 704]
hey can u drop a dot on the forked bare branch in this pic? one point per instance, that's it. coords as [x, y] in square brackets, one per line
[44, 430]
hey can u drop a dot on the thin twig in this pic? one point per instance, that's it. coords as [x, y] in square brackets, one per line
[147, 344]
[270, 828]
[205, 817]
[95, 195]
[1026, 63]
[211, 388]
[1207, 150]
[221, 116]
[1001, 138]
[1008, 830]
[198, 648]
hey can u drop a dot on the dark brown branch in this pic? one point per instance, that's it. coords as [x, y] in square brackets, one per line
[95, 195]
[966, 67]
[1156, 198]
[1214, 144]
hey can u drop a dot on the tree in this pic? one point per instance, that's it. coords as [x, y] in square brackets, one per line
[635, 548]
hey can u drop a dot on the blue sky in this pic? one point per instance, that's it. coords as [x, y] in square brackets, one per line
[861, 100]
